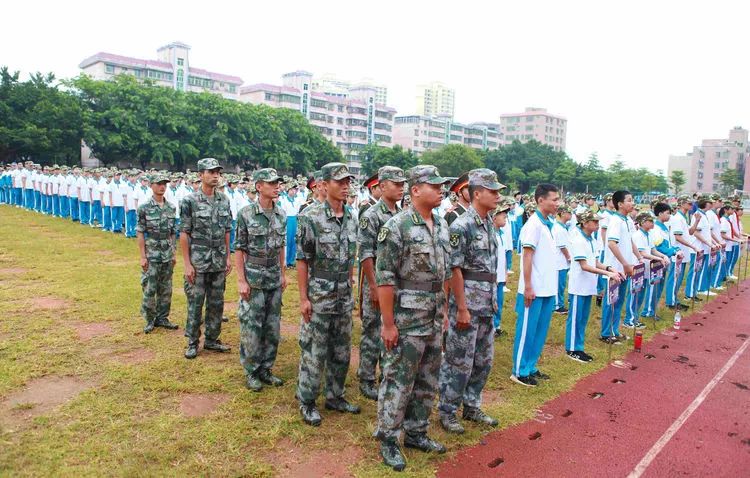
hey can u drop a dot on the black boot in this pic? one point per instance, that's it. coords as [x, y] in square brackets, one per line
[268, 378]
[341, 405]
[310, 414]
[216, 346]
[165, 323]
[476, 414]
[192, 350]
[148, 328]
[368, 389]
[253, 383]
[392, 456]
[421, 441]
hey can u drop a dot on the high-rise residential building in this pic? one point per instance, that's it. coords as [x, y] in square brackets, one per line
[330, 85]
[351, 122]
[537, 124]
[435, 99]
[704, 165]
[424, 133]
[171, 68]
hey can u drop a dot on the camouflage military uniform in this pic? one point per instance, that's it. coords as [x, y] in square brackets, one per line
[414, 260]
[469, 352]
[455, 213]
[369, 345]
[207, 220]
[157, 224]
[261, 236]
[328, 244]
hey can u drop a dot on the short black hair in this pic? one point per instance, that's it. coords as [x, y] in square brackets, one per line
[702, 203]
[660, 207]
[722, 212]
[543, 189]
[619, 197]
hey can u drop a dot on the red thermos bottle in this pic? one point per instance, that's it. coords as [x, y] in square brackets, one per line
[638, 341]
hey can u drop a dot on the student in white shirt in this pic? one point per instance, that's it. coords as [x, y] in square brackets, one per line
[585, 269]
[734, 221]
[504, 240]
[75, 212]
[562, 257]
[729, 240]
[537, 286]
[643, 238]
[291, 203]
[104, 195]
[664, 240]
[84, 198]
[704, 235]
[117, 194]
[713, 219]
[131, 206]
[621, 255]
[96, 200]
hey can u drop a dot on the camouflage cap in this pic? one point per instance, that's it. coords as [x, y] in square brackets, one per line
[266, 175]
[529, 208]
[586, 197]
[562, 209]
[684, 198]
[644, 216]
[715, 197]
[485, 178]
[425, 174]
[208, 164]
[158, 178]
[505, 205]
[391, 173]
[587, 215]
[335, 171]
[318, 175]
[608, 197]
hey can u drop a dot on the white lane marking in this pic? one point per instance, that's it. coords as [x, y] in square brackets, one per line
[662, 442]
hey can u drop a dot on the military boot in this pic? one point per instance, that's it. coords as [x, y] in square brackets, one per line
[449, 422]
[148, 328]
[421, 441]
[192, 350]
[224, 318]
[253, 383]
[165, 323]
[341, 405]
[392, 456]
[216, 346]
[310, 414]
[268, 378]
[368, 389]
[476, 414]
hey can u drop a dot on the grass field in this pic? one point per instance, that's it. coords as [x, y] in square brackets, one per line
[84, 392]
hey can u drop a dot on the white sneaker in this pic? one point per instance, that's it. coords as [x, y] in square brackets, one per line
[505, 289]
[733, 277]
[721, 287]
[709, 293]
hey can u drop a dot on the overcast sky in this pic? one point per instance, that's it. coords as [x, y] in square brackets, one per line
[640, 79]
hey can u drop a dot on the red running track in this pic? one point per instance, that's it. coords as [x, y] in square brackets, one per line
[679, 408]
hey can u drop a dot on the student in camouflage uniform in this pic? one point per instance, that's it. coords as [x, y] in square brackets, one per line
[326, 248]
[461, 190]
[205, 223]
[391, 184]
[469, 347]
[155, 231]
[412, 276]
[260, 261]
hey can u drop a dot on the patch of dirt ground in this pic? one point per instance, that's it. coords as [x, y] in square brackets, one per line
[49, 303]
[294, 461]
[12, 270]
[38, 397]
[90, 330]
[289, 328]
[201, 404]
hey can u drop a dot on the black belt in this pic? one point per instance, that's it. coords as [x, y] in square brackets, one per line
[208, 242]
[158, 235]
[426, 286]
[479, 276]
[334, 276]
[263, 261]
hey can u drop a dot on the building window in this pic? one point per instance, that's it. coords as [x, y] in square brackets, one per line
[232, 89]
[109, 69]
[304, 87]
[180, 62]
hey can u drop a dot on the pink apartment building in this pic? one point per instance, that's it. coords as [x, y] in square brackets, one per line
[704, 165]
[535, 123]
[425, 133]
[351, 123]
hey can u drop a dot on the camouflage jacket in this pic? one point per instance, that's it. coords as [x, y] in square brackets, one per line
[409, 251]
[207, 220]
[370, 222]
[158, 225]
[328, 244]
[455, 213]
[474, 249]
[262, 238]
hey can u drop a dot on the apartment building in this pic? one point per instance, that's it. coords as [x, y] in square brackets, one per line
[424, 133]
[537, 124]
[435, 99]
[330, 85]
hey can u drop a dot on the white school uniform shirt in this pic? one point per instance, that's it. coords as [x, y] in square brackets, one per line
[508, 233]
[713, 219]
[232, 195]
[560, 233]
[582, 247]
[103, 188]
[733, 221]
[83, 183]
[537, 234]
[54, 181]
[117, 191]
[290, 205]
[25, 173]
[71, 182]
[131, 195]
[502, 238]
[170, 195]
[242, 200]
[93, 186]
[704, 227]
[726, 228]
[143, 195]
[16, 177]
[620, 230]
[678, 226]
[659, 235]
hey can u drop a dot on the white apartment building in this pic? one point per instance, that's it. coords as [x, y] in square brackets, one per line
[435, 99]
[330, 85]
[424, 133]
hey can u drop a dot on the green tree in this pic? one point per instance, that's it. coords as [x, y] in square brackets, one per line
[537, 176]
[515, 177]
[677, 178]
[730, 180]
[530, 156]
[453, 159]
[565, 173]
[375, 157]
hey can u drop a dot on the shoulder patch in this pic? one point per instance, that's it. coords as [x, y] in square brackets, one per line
[363, 223]
[383, 234]
[454, 239]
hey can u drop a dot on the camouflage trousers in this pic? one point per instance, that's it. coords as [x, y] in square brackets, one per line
[325, 344]
[156, 283]
[209, 289]
[369, 343]
[467, 362]
[260, 321]
[410, 382]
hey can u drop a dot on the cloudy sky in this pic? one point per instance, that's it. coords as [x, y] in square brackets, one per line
[638, 79]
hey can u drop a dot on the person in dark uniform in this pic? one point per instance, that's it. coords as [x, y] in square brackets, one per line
[461, 188]
[373, 186]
